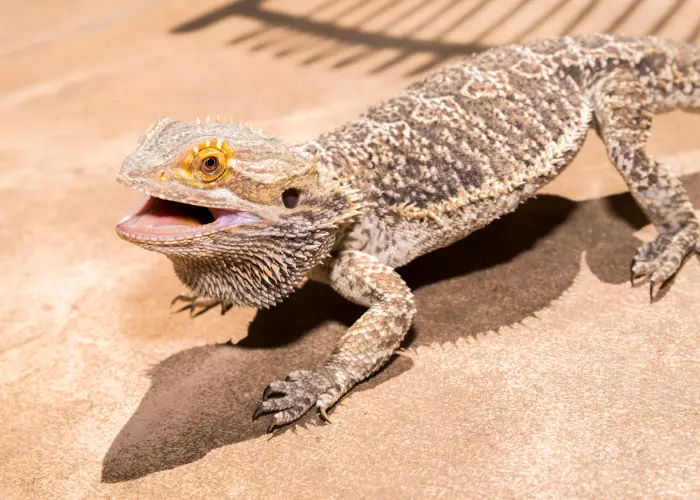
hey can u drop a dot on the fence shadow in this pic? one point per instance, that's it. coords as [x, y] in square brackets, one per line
[421, 35]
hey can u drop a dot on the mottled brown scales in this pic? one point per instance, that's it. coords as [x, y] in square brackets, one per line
[247, 219]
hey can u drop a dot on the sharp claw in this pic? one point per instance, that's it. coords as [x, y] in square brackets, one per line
[188, 306]
[205, 309]
[184, 298]
[654, 289]
[638, 279]
[266, 393]
[225, 308]
[258, 411]
[271, 426]
[324, 415]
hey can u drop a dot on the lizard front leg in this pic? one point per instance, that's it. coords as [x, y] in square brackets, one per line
[364, 348]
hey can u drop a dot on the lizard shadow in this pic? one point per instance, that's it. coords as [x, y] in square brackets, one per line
[202, 398]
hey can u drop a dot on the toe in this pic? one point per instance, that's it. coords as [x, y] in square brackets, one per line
[181, 297]
[664, 273]
[291, 398]
[324, 415]
[286, 417]
[642, 270]
[204, 308]
[274, 405]
[259, 410]
[654, 288]
[287, 400]
[647, 252]
[276, 387]
[659, 260]
[668, 264]
[184, 308]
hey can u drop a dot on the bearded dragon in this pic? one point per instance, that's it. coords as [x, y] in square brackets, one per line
[246, 218]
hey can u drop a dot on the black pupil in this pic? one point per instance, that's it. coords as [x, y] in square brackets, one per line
[211, 164]
[290, 197]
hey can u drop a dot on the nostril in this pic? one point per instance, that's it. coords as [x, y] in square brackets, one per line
[163, 176]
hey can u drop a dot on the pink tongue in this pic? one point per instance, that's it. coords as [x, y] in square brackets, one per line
[151, 220]
[224, 217]
[220, 212]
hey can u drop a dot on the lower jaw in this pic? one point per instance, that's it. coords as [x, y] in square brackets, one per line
[164, 239]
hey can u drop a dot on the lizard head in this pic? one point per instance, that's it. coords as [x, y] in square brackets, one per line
[242, 216]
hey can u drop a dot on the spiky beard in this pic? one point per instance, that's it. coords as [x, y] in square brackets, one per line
[258, 269]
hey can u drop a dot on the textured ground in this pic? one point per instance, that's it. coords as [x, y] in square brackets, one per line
[534, 369]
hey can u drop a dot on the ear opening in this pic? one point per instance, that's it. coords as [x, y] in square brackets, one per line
[290, 197]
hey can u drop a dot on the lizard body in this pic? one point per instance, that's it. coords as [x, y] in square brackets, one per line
[250, 218]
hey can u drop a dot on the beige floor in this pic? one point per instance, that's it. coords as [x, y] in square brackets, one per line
[533, 369]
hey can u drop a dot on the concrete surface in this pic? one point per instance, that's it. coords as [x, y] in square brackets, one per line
[533, 369]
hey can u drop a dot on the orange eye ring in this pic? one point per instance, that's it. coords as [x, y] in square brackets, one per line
[207, 162]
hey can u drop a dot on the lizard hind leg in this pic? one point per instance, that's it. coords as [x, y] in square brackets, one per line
[623, 114]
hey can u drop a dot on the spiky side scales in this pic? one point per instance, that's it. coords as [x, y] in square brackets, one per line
[475, 139]
[442, 159]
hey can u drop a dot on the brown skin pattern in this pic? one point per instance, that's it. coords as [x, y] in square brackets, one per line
[426, 168]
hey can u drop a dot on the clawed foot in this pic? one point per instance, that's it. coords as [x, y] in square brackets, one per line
[659, 260]
[199, 305]
[290, 398]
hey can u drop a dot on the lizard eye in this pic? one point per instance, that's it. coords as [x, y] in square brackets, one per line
[210, 165]
[290, 197]
[206, 163]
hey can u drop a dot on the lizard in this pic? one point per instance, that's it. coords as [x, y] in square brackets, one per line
[247, 218]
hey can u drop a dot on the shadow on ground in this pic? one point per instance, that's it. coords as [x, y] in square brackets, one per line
[339, 28]
[202, 398]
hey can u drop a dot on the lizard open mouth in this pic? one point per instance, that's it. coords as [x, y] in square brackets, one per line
[159, 219]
